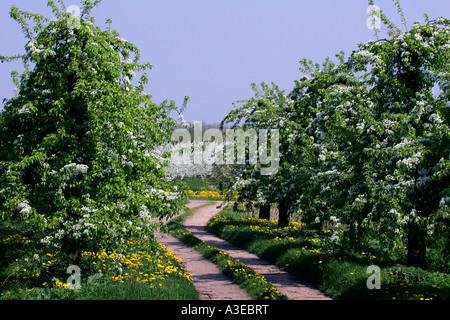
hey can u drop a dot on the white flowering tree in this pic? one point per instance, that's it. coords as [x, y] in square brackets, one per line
[378, 155]
[365, 141]
[76, 160]
[179, 160]
[321, 175]
[407, 136]
[268, 110]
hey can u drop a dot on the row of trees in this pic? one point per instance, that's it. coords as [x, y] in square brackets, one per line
[365, 141]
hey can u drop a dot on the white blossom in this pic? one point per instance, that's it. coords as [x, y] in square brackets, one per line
[74, 169]
[24, 208]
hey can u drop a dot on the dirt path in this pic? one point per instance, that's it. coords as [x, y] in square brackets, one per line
[283, 281]
[206, 276]
[209, 281]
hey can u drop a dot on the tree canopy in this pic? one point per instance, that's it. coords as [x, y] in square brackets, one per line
[77, 160]
[364, 140]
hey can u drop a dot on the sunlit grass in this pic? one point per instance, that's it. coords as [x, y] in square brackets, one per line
[312, 256]
[255, 284]
[143, 270]
[205, 195]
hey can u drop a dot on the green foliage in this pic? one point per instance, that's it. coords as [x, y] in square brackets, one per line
[76, 159]
[312, 256]
[364, 140]
[196, 184]
[143, 270]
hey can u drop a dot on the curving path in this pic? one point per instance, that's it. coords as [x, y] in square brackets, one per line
[217, 286]
[209, 281]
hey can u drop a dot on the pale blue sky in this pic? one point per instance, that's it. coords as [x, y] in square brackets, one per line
[213, 50]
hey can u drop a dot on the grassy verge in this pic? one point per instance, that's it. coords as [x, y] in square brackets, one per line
[144, 271]
[199, 184]
[206, 195]
[309, 254]
[255, 284]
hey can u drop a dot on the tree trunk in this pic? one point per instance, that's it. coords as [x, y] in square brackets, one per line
[74, 251]
[283, 214]
[264, 211]
[416, 246]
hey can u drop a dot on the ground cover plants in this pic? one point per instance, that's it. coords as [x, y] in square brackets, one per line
[206, 195]
[255, 284]
[201, 188]
[144, 270]
[308, 252]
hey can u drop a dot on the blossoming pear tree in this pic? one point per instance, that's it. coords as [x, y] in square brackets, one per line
[265, 111]
[381, 141]
[77, 165]
[180, 162]
[366, 140]
[407, 136]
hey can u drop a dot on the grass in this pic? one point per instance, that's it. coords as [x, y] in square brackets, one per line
[196, 184]
[309, 254]
[144, 271]
[200, 188]
[206, 195]
[256, 285]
